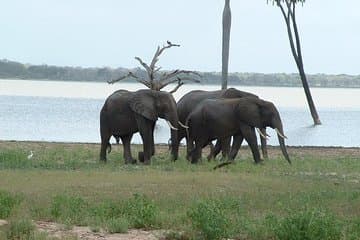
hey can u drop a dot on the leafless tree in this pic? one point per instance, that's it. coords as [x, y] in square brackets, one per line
[156, 79]
[288, 8]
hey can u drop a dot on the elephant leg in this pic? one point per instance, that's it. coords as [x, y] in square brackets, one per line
[196, 152]
[237, 141]
[214, 150]
[189, 148]
[263, 144]
[153, 143]
[225, 146]
[126, 140]
[105, 137]
[250, 136]
[146, 133]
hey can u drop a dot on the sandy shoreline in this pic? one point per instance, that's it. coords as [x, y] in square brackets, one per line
[274, 151]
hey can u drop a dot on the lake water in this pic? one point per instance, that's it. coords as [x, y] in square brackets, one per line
[69, 112]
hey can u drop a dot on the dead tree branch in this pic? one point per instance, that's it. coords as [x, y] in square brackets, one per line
[164, 79]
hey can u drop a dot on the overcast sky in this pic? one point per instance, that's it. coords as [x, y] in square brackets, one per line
[112, 32]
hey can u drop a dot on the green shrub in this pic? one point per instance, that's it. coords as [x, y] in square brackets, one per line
[308, 225]
[7, 203]
[107, 209]
[208, 218]
[117, 225]
[21, 229]
[141, 212]
[68, 209]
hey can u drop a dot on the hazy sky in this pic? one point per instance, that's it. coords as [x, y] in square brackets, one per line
[112, 32]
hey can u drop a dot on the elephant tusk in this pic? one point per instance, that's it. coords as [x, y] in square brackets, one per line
[171, 126]
[261, 134]
[280, 134]
[182, 125]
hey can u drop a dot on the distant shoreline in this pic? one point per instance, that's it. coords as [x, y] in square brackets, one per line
[190, 83]
[19, 71]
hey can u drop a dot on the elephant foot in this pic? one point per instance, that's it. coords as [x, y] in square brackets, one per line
[261, 161]
[130, 161]
[141, 157]
[210, 157]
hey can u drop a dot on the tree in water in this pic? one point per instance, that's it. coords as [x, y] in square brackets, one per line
[288, 8]
[157, 80]
[226, 21]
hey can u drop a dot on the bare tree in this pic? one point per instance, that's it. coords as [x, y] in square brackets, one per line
[226, 21]
[288, 8]
[157, 80]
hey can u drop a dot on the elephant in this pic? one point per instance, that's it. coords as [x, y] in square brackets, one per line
[188, 103]
[125, 113]
[239, 118]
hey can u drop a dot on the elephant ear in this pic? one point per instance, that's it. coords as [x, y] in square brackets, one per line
[142, 103]
[266, 112]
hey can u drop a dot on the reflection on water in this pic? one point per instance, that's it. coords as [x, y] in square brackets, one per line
[28, 113]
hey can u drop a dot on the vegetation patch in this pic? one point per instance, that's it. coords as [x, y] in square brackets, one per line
[209, 219]
[68, 209]
[314, 224]
[141, 212]
[7, 203]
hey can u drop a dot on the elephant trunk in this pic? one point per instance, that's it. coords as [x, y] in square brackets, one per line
[281, 136]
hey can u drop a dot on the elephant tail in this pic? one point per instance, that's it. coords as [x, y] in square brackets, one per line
[104, 128]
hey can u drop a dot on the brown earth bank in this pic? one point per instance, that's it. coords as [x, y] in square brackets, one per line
[274, 151]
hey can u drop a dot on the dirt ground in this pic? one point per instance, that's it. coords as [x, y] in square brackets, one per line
[60, 231]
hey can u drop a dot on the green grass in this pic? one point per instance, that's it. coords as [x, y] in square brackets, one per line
[66, 183]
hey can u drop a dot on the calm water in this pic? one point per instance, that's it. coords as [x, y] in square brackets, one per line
[69, 112]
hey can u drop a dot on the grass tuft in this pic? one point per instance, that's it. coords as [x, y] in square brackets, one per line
[7, 203]
[311, 224]
[209, 219]
[141, 212]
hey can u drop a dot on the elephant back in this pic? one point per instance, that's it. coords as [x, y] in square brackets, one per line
[235, 93]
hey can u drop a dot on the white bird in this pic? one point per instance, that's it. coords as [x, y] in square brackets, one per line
[30, 155]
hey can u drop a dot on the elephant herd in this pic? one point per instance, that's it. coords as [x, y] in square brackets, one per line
[199, 116]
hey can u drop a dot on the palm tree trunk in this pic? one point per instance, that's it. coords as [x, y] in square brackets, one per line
[226, 43]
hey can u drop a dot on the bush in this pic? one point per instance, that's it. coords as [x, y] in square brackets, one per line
[117, 225]
[8, 203]
[209, 219]
[308, 225]
[69, 210]
[21, 229]
[141, 212]
[353, 230]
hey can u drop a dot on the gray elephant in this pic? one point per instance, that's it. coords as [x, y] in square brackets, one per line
[189, 102]
[125, 113]
[239, 118]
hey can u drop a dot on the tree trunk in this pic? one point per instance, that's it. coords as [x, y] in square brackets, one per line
[296, 52]
[226, 43]
[310, 101]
